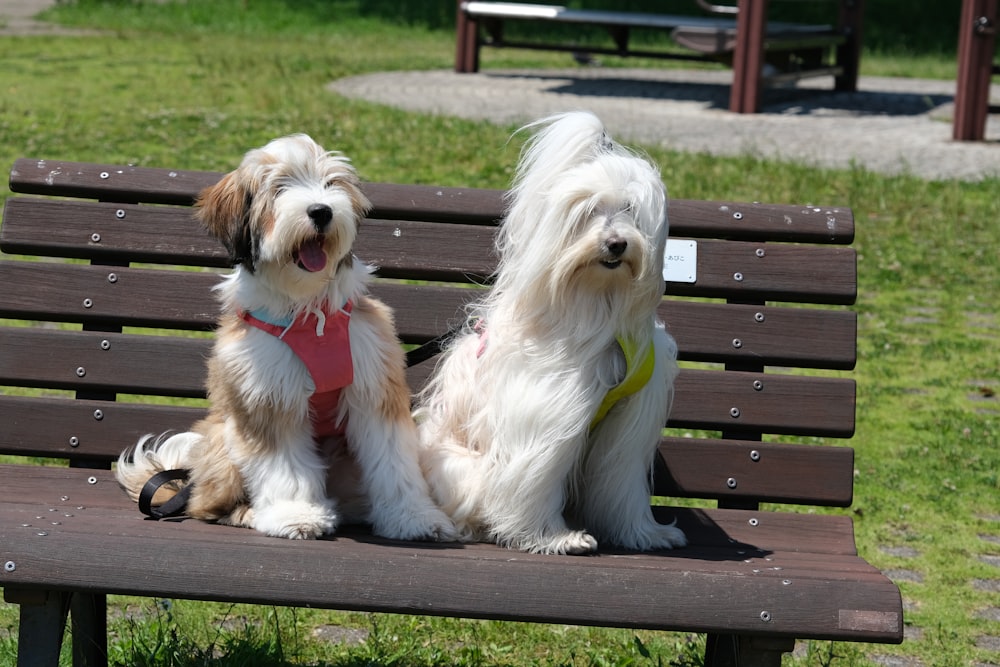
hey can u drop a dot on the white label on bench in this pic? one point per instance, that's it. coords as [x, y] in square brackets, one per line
[680, 261]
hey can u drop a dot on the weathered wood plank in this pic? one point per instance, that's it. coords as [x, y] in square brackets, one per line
[758, 471]
[175, 366]
[725, 219]
[184, 300]
[695, 468]
[693, 589]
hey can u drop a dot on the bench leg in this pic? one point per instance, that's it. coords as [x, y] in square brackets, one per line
[976, 42]
[41, 627]
[466, 42]
[89, 622]
[743, 651]
[748, 58]
[849, 53]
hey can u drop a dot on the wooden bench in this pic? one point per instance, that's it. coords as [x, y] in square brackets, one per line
[977, 38]
[749, 41]
[108, 308]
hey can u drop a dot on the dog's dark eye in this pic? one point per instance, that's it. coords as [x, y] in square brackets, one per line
[331, 182]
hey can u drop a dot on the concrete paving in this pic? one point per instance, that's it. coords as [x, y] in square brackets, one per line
[890, 125]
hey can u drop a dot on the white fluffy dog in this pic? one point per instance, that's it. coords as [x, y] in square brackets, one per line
[539, 427]
[306, 381]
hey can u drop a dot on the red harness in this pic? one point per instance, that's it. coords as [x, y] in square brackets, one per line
[322, 341]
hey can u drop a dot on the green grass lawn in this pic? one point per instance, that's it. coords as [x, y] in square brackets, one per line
[193, 85]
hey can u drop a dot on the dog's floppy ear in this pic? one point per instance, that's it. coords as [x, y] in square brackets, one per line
[225, 210]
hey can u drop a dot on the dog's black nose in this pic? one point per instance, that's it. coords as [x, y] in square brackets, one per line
[320, 214]
[616, 246]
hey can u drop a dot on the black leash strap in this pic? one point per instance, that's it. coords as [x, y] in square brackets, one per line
[173, 507]
[427, 350]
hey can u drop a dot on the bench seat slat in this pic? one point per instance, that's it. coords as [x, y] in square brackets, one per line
[37, 426]
[681, 590]
[184, 300]
[821, 535]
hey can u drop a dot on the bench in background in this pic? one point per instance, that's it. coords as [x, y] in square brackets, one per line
[107, 306]
[762, 52]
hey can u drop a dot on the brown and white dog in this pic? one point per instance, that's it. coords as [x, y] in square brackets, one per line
[308, 397]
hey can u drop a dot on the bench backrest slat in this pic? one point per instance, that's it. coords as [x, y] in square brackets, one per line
[93, 360]
[704, 468]
[697, 468]
[413, 250]
[175, 366]
[696, 218]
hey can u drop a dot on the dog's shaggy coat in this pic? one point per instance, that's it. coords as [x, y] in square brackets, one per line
[512, 440]
[263, 458]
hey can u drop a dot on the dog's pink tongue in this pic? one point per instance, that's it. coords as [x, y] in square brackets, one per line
[311, 256]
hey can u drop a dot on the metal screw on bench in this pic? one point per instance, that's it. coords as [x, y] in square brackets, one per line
[81, 371]
[765, 616]
[91, 480]
[105, 174]
[95, 237]
[754, 522]
[737, 343]
[74, 441]
[738, 277]
[734, 412]
[754, 455]
[98, 415]
[112, 277]
[120, 213]
[88, 303]
[758, 385]
[9, 566]
[758, 317]
[105, 345]
[731, 482]
[760, 252]
[737, 216]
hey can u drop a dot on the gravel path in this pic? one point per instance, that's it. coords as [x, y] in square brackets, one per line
[889, 126]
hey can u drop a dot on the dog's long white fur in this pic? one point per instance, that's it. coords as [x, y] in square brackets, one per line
[505, 421]
[254, 461]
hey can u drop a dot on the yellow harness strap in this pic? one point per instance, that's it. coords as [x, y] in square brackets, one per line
[636, 377]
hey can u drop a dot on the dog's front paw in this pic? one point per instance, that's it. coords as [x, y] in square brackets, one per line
[296, 520]
[429, 524]
[573, 543]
